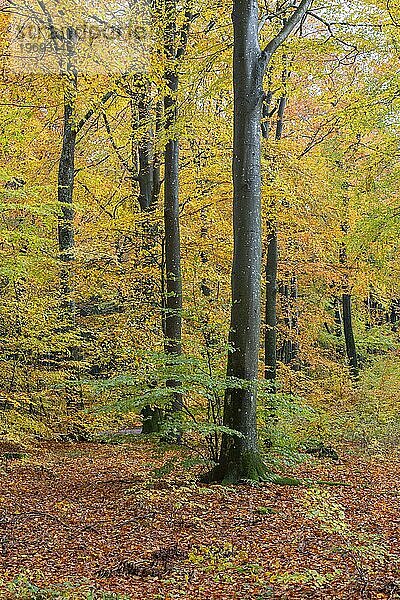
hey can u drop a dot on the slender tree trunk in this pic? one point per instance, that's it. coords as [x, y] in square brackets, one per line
[270, 308]
[337, 317]
[349, 335]
[266, 114]
[172, 251]
[288, 294]
[66, 187]
[156, 157]
[66, 242]
[394, 314]
[173, 280]
[348, 332]
[281, 114]
[270, 353]
[294, 295]
[145, 151]
[149, 181]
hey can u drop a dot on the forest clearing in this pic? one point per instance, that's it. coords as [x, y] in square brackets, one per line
[199, 299]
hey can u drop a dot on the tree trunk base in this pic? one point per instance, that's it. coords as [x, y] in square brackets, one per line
[250, 467]
[152, 420]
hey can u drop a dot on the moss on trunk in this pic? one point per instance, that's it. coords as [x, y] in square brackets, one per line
[250, 467]
[152, 420]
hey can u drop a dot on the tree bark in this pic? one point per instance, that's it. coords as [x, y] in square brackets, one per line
[173, 279]
[281, 114]
[349, 335]
[270, 308]
[156, 157]
[348, 332]
[337, 316]
[270, 354]
[288, 295]
[239, 455]
[171, 260]
[294, 296]
[146, 197]
[66, 241]
[149, 181]
[66, 185]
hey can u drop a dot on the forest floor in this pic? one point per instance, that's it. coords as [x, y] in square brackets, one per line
[129, 520]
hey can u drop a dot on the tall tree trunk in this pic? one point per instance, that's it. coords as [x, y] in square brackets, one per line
[288, 295]
[348, 332]
[145, 151]
[239, 456]
[270, 309]
[66, 186]
[173, 280]
[271, 280]
[156, 156]
[171, 260]
[149, 180]
[284, 351]
[149, 190]
[66, 242]
[294, 296]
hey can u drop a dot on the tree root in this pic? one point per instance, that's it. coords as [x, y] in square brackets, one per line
[249, 467]
[252, 469]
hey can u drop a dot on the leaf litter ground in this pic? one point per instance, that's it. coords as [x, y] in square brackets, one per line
[116, 518]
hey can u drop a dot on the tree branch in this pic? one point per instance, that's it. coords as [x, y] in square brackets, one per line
[184, 32]
[90, 113]
[123, 161]
[286, 30]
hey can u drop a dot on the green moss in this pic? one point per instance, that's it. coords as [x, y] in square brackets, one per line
[266, 510]
[249, 467]
[252, 469]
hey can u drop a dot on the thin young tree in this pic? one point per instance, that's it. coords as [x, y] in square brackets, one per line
[271, 275]
[66, 179]
[175, 42]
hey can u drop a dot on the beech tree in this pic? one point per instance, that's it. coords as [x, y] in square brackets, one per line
[66, 178]
[271, 272]
[348, 332]
[173, 300]
[239, 456]
[175, 41]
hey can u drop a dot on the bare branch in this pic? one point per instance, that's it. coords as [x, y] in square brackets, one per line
[392, 18]
[90, 113]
